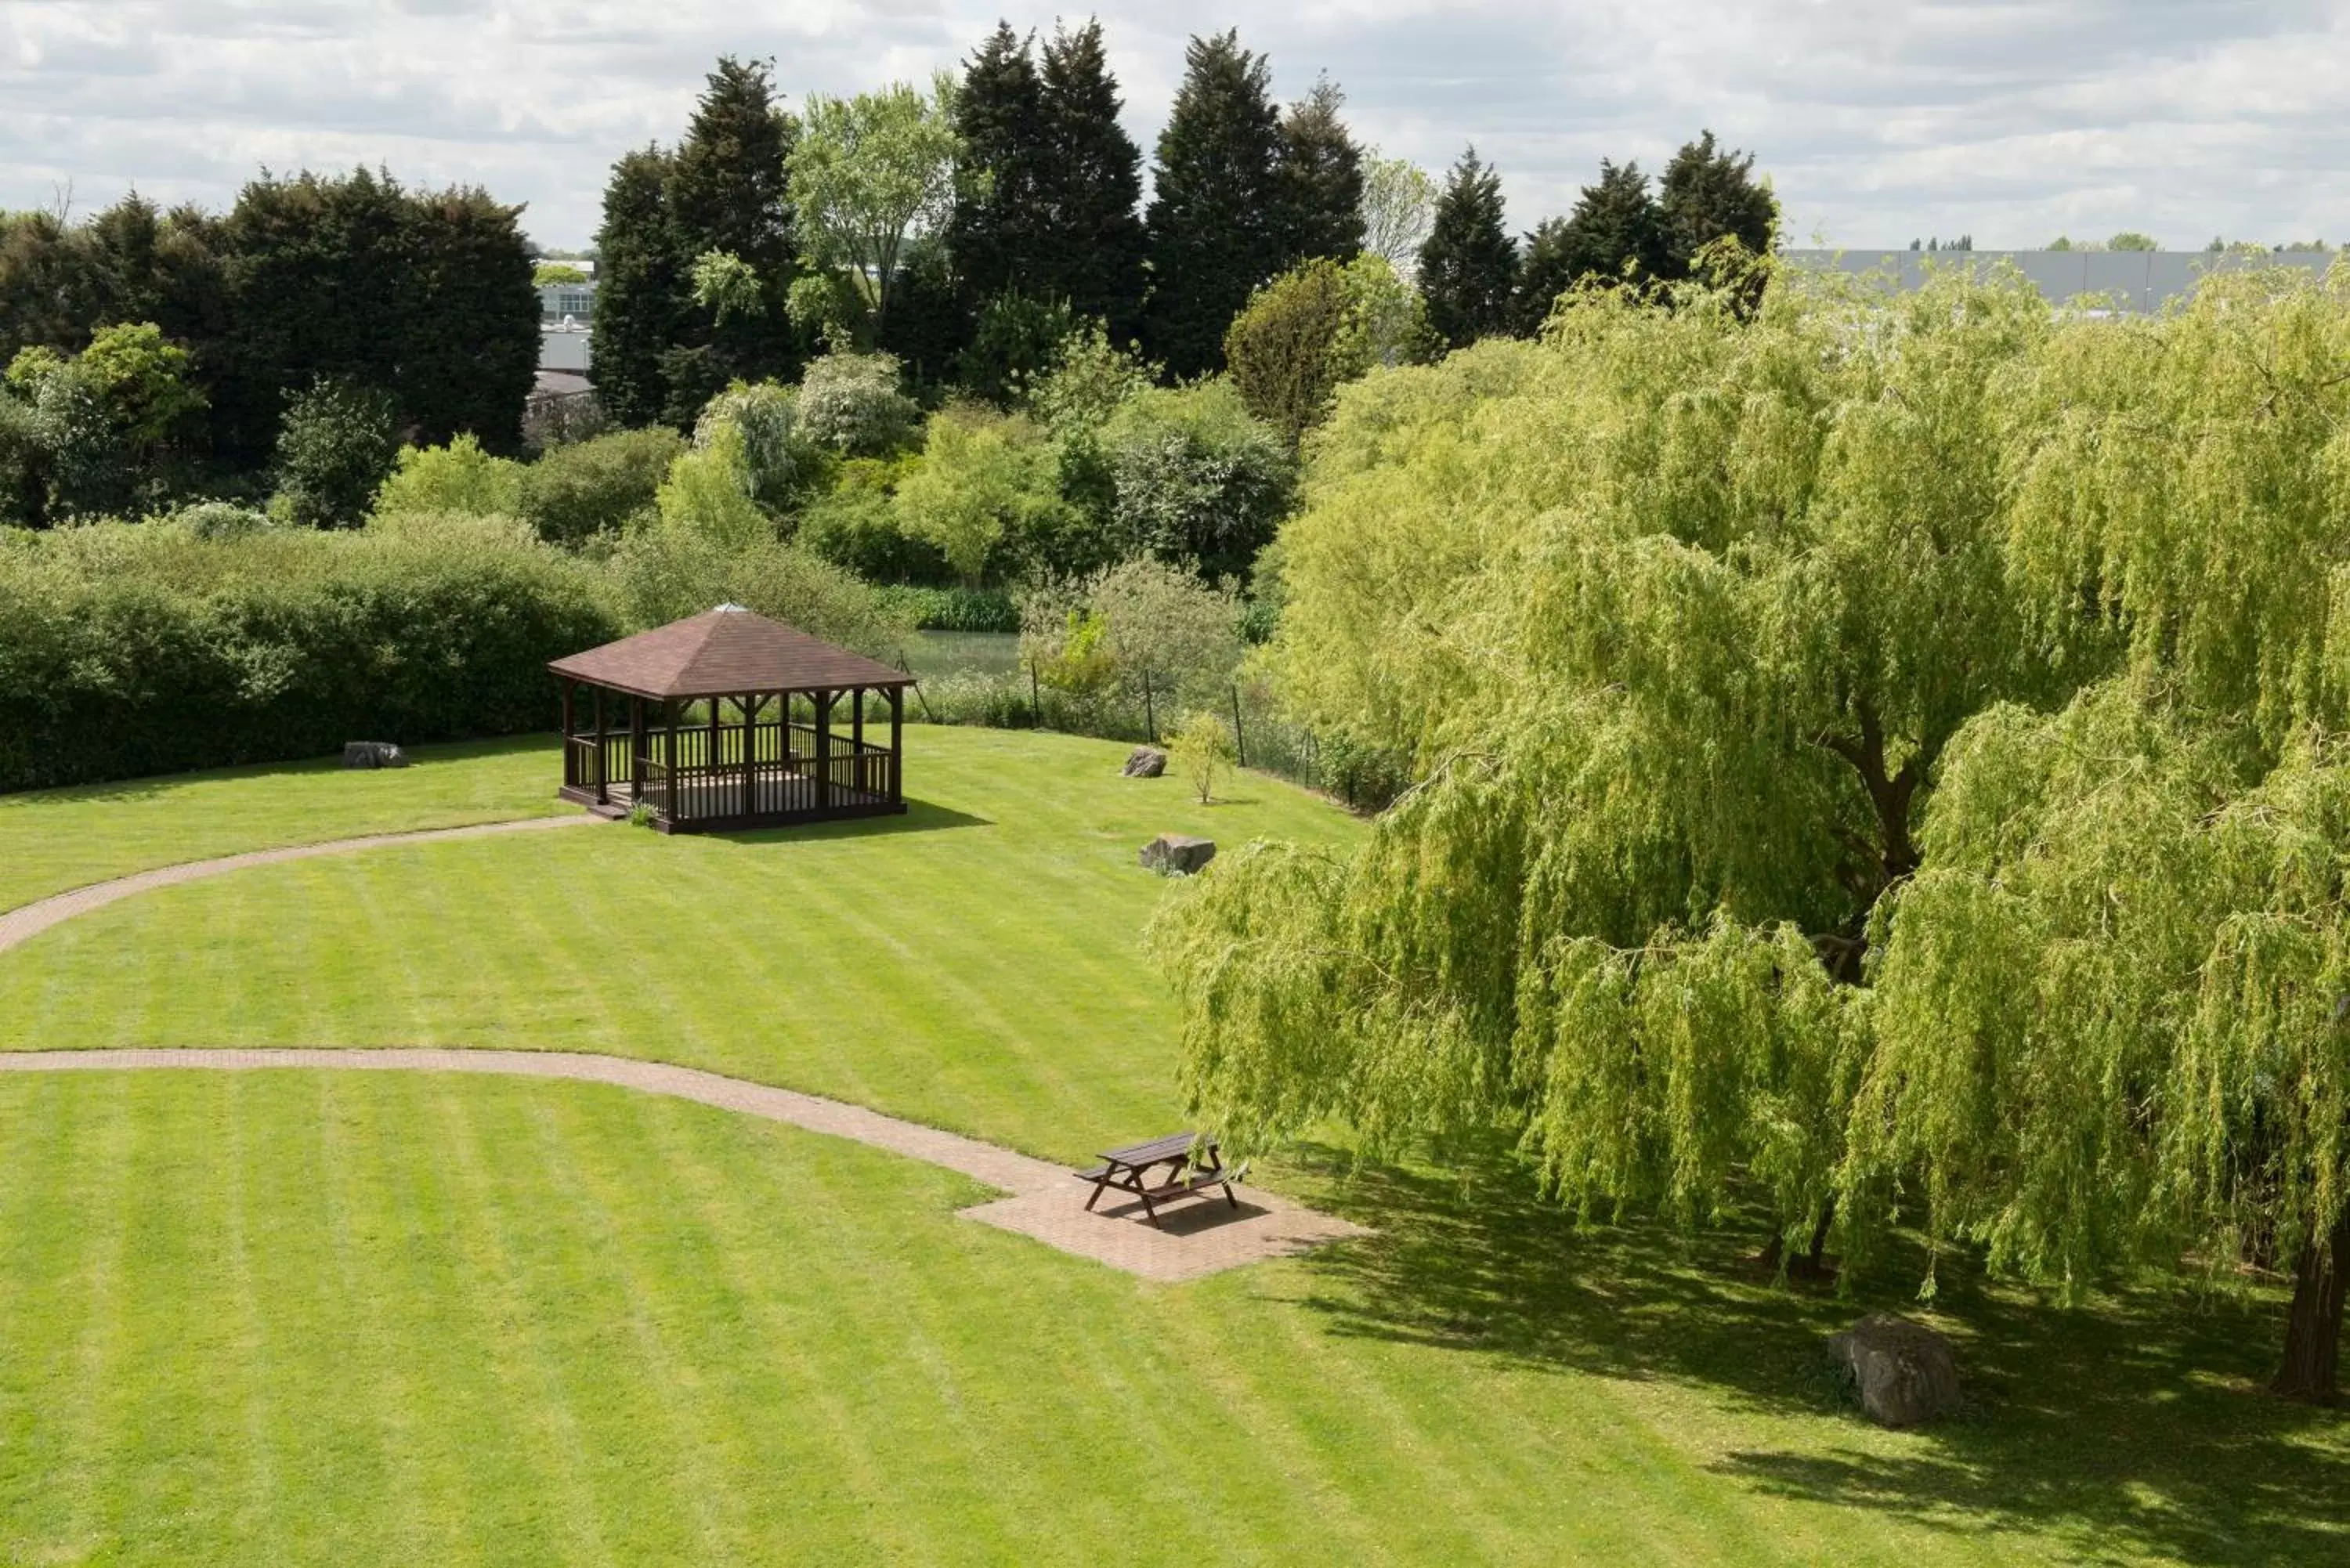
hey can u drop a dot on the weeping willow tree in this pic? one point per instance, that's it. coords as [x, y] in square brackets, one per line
[1692, 616]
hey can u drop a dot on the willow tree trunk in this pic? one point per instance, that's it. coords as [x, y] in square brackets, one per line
[2313, 1328]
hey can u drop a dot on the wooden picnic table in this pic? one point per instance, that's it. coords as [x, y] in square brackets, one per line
[1190, 1175]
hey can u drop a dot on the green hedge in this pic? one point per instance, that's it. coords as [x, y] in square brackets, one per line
[131, 649]
[955, 610]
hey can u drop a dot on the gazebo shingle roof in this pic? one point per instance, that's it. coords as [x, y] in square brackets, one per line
[724, 653]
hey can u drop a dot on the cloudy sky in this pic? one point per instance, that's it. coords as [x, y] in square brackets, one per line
[1877, 119]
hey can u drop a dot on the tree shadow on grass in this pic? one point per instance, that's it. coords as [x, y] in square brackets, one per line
[2134, 1426]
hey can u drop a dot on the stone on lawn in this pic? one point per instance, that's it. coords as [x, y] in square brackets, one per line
[373, 755]
[1175, 854]
[1904, 1370]
[1145, 762]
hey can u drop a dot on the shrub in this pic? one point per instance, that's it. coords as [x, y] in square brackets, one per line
[853, 524]
[221, 519]
[850, 403]
[1315, 326]
[128, 649]
[1015, 341]
[334, 449]
[776, 460]
[663, 573]
[983, 479]
[459, 477]
[1201, 748]
[1155, 620]
[954, 608]
[575, 492]
[704, 495]
[1195, 478]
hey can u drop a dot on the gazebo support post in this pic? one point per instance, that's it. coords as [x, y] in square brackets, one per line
[570, 760]
[670, 715]
[896, 752]
[603, 766]
[856, 741]
[638, 752]
[823, 701]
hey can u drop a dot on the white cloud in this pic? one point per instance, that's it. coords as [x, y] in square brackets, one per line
[2011, 121]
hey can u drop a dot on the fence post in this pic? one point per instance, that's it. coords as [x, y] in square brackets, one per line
[1239, 741]
[1149, 713]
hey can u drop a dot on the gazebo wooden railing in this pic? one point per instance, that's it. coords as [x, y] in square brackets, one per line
[636, 734]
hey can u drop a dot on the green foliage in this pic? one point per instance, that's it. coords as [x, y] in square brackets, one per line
[1091, 240]
[2130, 240]
[1014, 342]
[855, 524]
[1215, 218]
[641, 288]
[999, 222]
[90, 430]
[1201, 750]
[1710, 193]
[1469, 266]
[129, 650]
[726, 195]
[851, 404]
[1195, 478]
[983, 479]
[1315, 326]
[956, 609]
[590, 489]
[555, 275]
[869, 175]
[665, 573]
[1398, 199]
[336, 447]
[1615, 234]
[706, 496]
[222, 519]
[459, 477]
[1318, 180]
[1088, 378]
[777, 459]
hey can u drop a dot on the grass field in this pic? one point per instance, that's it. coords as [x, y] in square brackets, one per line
[296, 1318]
[51, 840]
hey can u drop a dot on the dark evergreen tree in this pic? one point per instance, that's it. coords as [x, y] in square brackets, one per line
[727, 193]
[1615, 234]
[1469, 266]
[470, 337]
[1090, 247]
[1215, 219]
[1708, 192]
[642, 289]
[998, 228]
[1320, 180]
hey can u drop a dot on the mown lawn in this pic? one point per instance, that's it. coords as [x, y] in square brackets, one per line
[295, 1317]
[51, 840]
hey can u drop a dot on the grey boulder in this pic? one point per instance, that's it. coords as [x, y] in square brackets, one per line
[1174, 855]
[1145, 762]
[1905, 1371]
[373, 755]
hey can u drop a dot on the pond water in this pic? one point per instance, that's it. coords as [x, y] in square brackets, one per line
[941, 653]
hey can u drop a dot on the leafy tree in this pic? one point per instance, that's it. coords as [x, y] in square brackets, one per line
[1012, 344]
[459, 477]
[1398, 199]
[983, 478]
[1090, 248]
[1215, 210]
[2130, 240]
[850, 403]
[1469, 268]
[1319, 181]
[1201, 749]
[705, 497]
[1087, 380]
[1710, 192]
[1614, 234]
[641, 288]
[1317, 326]
[555, 275]
[777, 458]
[1883, 754]
[334, 448]
[999, 225]
[587, 489]
[1195, 479]
[870, 176]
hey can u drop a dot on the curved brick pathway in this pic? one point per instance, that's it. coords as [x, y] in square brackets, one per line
[1201, 1236]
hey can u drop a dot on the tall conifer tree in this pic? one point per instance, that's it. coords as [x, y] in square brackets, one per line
[999, 222]
[1615, 233]
[1469, 268]
[727, 193]
[1707, 192]
[1214, 225]
[1321, 180]
[641, 288]
[1091, 248]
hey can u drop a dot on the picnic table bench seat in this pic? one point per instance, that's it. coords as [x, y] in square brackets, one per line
[1126, 1170]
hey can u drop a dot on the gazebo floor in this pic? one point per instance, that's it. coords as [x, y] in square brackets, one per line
[716, 804]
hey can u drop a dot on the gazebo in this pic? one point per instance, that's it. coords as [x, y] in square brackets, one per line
[728, 719]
